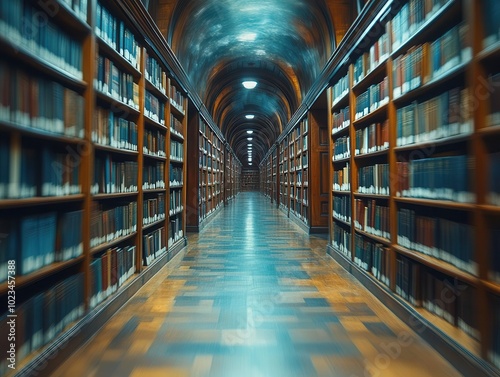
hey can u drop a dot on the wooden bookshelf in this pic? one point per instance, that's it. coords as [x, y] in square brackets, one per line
[205, 185]
[431, 238]
[116, 194]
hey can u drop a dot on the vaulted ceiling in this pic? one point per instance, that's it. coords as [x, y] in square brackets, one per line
[281, 44]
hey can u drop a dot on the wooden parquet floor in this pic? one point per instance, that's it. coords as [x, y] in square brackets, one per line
[254, 296]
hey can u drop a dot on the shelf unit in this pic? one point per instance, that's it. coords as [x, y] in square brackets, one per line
[291, 171]
[207, 150]
[91, 150]
[414, 170]
[232, 175]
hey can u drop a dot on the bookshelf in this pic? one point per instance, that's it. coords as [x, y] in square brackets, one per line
[232, 175]
[413, 171]
[207, 150]
[251, 179]
[92, 146]
[292, 171]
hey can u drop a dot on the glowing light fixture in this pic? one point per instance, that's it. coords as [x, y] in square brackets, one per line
[249, 116]
[249, 138]
[250, 84]
[247, 37]
[249, 132]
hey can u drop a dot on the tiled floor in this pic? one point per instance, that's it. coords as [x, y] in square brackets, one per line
[254, 296]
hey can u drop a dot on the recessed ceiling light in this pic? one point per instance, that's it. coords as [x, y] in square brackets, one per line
[250, 144]
[249, 84]
[249, 132]
[249, 116]
[249, 138]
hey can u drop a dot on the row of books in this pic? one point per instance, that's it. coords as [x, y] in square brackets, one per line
[340, 89]
[443, 116]
[117, 35]
[374, 179]
[39, 240]
[176, 126]
[377, 53]
[342, 179]
[438, 237]
[175, 202]
[342, 148]
[439, 294]
[108, 224]
[177, 97]
[372, 218]
[41, 318]
[437, 178]
[112, 130]
[39, 103]
[341, 119]
[341, 240]
[155, 74]
[154, 143]
[20, 23]
[154, 108]
[154, 244]
[153, 176]
[175, 231]
[376, 96]
[372, 257]
[372, 138]
[112, 176]
[109, 271]
[410, 17]
[115, 83]
[176, 175]
[153, 209]
[28, 171]
[493, 195]
[176, 150]
[342, 208]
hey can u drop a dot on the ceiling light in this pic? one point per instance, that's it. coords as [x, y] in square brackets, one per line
[249, 163]
[250, 144]
[247, 37]
[249, 84]
[250, 116]
[249, 131]
[249, 138]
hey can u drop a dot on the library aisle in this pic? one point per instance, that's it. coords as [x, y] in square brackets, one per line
[253, 295]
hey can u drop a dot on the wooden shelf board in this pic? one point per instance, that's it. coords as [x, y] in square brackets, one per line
[382, 152]
[114, 196]
[434, 143]
[116, 103]
[110, 244]
[378, 72]
[22, 281]
[437, 203]
[155, 91]
[373, 237]
[372, 196]
[108, 148]
[150, 225]
[39, 201]
[38, 133]
[379, 113]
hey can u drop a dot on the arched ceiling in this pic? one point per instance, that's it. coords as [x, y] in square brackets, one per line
[281, 44]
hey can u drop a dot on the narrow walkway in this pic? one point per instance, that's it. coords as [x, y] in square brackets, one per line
[254, 296]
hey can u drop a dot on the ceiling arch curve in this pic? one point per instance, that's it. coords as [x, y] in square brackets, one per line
[281, 44]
